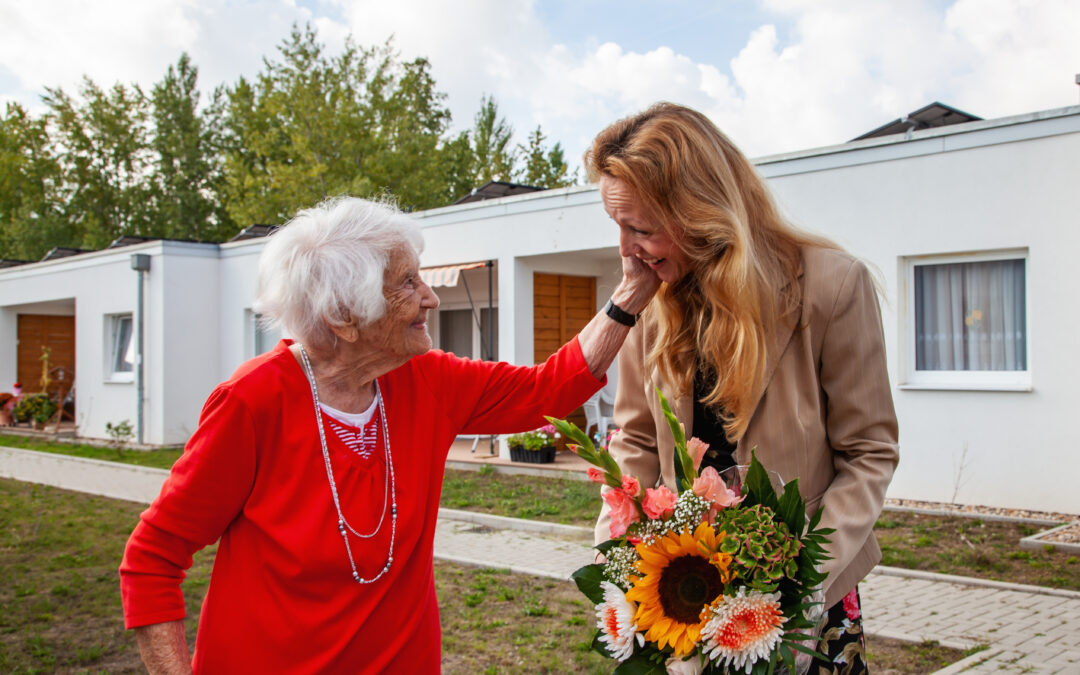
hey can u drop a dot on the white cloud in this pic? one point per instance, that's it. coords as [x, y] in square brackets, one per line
[820, 72]
[53, 43]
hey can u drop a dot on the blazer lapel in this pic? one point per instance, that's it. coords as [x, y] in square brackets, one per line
[775, 348]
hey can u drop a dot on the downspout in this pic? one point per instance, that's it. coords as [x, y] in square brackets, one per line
[491, 338]
[140, 262]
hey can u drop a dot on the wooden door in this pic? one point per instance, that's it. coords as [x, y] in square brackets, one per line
[57, 333]
[562, 306]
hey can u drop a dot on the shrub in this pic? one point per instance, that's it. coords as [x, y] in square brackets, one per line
[37, 407]
[534, 440]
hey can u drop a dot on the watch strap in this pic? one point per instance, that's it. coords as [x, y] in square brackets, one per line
[619, 314]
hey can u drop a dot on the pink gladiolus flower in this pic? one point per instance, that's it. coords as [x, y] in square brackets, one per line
[623, 513]
[709, 485]
[659, 502]
[631, 486]
[595, 475]
[851, 604]
[696, 448]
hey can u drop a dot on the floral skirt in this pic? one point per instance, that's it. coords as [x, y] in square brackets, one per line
[842, 639]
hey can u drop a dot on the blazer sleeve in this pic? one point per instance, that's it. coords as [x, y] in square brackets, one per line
[860, 418]
[634, 447]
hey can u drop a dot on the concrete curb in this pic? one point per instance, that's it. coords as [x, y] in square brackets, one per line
[566, 474]
[971, 661]
[95, 476]
[519, 524]
[962, 645]
[973, 516]
[513, 569]
[972, 581]
[1037, 542]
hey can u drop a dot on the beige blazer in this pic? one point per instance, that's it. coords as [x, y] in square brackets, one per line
[824, 415]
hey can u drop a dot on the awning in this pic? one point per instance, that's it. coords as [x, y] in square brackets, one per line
[447, 275]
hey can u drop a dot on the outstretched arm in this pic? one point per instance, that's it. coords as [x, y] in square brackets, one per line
[163, 648]
[602, 337]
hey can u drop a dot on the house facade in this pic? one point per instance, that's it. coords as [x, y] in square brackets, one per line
[970, 229]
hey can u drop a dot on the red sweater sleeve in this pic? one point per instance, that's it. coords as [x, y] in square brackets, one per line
[205, 490]
[484, 397]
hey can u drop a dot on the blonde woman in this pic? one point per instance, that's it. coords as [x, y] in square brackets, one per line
[760, 335]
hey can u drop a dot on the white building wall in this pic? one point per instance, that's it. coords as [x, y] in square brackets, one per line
[186, 337]
[239, 262]
[1016, 193]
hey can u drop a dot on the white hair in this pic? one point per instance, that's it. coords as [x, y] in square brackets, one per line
[327, 265]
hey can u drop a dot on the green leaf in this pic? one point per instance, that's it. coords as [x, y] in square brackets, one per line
[573, 433]
[758, 488]
[806, 650]
[673, 422]
[606, 546]
[791, 509]
[588, 580]
[639, 664]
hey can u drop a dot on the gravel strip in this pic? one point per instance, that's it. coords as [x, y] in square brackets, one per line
[975, 511]
[1068, 535]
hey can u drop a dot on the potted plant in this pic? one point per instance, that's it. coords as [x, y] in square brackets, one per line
[536, 447]
[37, 409]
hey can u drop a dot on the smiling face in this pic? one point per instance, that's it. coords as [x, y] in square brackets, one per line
[401, 333]
[641, 236]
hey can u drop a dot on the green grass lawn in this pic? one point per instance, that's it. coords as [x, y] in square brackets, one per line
[158, 459]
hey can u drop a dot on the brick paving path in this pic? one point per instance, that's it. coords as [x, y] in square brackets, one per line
[1028, 630]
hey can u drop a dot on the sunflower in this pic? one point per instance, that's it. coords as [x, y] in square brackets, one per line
[678, 582]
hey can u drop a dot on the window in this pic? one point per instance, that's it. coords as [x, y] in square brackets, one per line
[121, 357]
[459, 334]
[261, 338]
[967, 322]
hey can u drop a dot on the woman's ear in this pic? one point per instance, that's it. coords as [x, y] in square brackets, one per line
[348, 331]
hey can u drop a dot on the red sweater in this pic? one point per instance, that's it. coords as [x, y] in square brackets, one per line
[281, 596]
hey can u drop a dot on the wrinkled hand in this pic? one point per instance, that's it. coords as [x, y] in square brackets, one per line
[638, 285]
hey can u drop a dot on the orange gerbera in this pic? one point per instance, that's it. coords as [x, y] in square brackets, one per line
[743, 628]
[678, 583]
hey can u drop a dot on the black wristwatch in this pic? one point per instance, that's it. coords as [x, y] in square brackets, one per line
[619, 314]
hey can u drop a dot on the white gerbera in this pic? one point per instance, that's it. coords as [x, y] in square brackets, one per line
[743, 628]
[615, 619]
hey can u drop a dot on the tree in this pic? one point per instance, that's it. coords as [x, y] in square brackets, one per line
[188, 171]
[102, 142]
[312, 127]
[112, 162]
[544, 168]
[31, 220]
[493, 156]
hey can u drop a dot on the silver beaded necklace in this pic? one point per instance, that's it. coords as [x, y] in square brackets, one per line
[389, 486]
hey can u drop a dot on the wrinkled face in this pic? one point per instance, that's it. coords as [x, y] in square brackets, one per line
[402, 332]
[640, 236]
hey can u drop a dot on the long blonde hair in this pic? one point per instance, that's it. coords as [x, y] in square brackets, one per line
[743, 256]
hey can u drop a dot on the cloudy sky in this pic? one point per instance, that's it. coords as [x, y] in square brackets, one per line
[777, 75]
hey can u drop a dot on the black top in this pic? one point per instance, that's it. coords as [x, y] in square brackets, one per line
[709, 428]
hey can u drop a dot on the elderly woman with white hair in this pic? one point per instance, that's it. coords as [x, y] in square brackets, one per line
[319, 465]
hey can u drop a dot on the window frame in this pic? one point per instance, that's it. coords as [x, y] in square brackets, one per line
[112, 334]
[435, 327]
[253, 331]
[962, 380]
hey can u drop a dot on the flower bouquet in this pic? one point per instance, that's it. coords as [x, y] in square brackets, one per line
[709, 580]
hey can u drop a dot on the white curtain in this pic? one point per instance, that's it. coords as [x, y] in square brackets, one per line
[971, 316]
